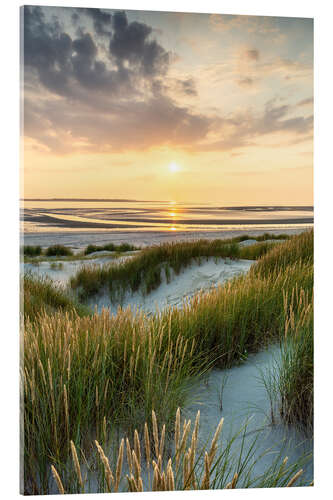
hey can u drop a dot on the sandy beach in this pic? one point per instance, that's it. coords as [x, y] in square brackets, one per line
[79, 240]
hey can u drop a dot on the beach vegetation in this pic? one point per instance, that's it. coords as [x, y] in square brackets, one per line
[152, 464]
[58, 250]
[42, 295]
[110, 247]
[86, 373]
[145, 270]
[32, 251]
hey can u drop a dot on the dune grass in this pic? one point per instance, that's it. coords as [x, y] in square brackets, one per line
[84, 374]
[42, 295]
[148, 465]
[36, 253]
[295, 380]
[145, 270]
[58, 250]
[32, 251]
[110, 247]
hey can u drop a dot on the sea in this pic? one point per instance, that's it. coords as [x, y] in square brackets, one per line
[130, 215]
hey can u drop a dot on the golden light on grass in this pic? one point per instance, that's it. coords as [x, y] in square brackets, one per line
[165, 476]
[151, 353]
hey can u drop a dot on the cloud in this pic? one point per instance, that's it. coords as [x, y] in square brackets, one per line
[102, 20]
[306, 102]
[62, 62]
[260, 25]
[245, 82]
[240, 130]
[130, 42]
[104, 104]
[126, 126]
[82, 98]
[252, 54]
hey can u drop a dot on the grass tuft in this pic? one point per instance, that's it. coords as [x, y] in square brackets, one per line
[32, 251]
[111, 247]
[57, 251]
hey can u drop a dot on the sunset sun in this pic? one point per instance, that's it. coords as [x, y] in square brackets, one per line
[173, 167]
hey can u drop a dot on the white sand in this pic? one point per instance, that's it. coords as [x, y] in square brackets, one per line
[68, 268]
[244, 399]
[247, 243]
[80, 240]
[191, 280]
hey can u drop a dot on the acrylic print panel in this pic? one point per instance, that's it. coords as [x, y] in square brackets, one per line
[167, 251]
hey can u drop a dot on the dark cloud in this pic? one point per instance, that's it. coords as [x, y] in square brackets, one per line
[81, 99]
[102, 20]
[252, 54]
[130, 42]
[188, 87]
[99, 104]
[62, 62]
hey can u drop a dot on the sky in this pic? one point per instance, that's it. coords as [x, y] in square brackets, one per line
[167, 106]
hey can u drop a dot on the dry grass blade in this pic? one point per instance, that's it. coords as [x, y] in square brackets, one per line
[108, 473]
[163, 482]
[156, 478]
[213, 446]
[147, 445]
[161, 447]
[137, 466]
[234, 481]
[186, 470]
[137, 448]
[58, 480]
[131, 483]
[129, 455]
[170, 480]
[205, 480]
[76, 464]
[119, 465]
[177, 433]
[155, 433]
[185, 436]
[295, 477]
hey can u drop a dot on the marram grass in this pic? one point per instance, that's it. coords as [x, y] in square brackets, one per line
[83, 374]
[41, 294]
[144, 270]
[146, 466]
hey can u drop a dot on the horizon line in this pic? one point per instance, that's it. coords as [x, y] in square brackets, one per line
[123, 200]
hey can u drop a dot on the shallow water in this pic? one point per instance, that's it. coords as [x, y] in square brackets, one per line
[133, 215]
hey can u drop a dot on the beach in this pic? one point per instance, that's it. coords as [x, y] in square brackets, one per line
[208, 264]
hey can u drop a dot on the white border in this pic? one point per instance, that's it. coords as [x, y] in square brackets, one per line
[322, 12]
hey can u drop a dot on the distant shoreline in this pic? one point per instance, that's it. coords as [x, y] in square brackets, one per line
[48, 220]
[80, 239]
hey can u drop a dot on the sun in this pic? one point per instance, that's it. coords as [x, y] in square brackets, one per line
[173, 167]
